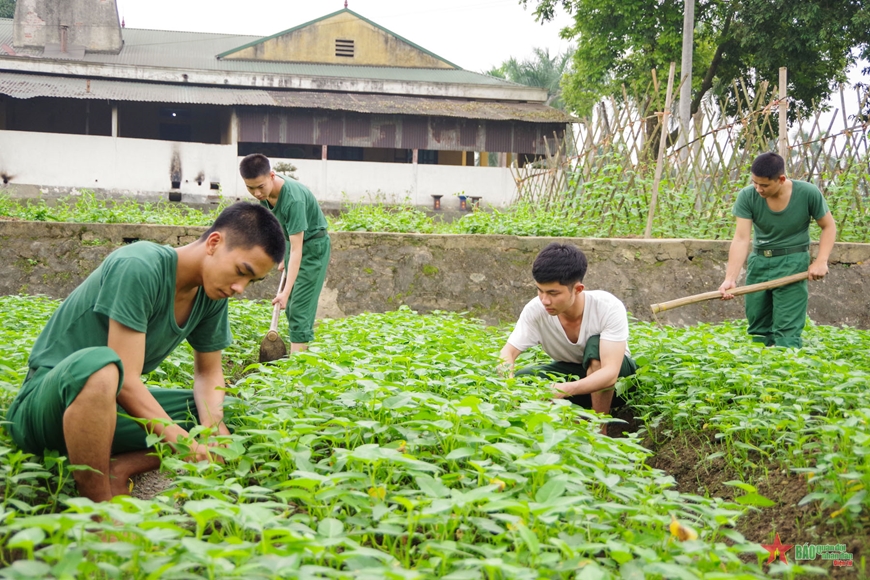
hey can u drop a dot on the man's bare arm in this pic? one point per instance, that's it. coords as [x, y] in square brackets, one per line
[294, 261]
[508, 356]
[737, 254]
[134, 397]
[208, 389]
[612, 354]
[819, 268]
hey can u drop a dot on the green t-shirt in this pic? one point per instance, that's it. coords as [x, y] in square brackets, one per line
[788, 228]
[135, 285]
[297, 210]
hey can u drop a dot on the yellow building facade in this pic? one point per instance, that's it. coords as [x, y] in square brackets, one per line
[340, 38]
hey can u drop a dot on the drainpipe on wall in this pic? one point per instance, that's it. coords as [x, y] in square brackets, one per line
[324, 174]
[414, 157]
[234, 130]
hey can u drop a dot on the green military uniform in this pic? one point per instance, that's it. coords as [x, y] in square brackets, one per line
[135, 286]
[780, 248]
[298, 211]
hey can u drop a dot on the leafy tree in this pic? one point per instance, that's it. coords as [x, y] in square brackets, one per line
[542, 70]
[7, 8]
[620, 41]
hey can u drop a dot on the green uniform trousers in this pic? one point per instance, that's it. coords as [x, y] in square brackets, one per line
[36, 418]
[590, 352]
[777, 317]
[302, 305]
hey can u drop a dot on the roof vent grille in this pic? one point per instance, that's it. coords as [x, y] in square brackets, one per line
[344, 48]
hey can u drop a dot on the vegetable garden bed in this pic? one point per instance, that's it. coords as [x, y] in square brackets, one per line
[608, 213]
[392, 449]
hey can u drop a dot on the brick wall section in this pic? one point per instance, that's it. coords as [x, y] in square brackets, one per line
[487, 276]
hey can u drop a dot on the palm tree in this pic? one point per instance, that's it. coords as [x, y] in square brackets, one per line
[541, 70]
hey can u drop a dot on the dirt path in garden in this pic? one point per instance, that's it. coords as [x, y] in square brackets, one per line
[685, 459]
[628, 423]
[149, 484]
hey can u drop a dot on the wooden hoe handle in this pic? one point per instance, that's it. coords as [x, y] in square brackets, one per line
[656, 308]
[276, 311]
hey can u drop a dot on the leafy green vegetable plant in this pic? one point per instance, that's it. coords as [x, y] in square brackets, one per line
[393, 449]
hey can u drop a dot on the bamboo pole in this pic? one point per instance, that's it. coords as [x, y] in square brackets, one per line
[785, 281]
[660, 161]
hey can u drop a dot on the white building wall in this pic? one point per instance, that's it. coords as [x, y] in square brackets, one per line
[145, 167]
[337, 182]
[494, 185]
[56, 163]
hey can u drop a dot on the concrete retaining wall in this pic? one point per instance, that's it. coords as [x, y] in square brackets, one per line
[487, 276]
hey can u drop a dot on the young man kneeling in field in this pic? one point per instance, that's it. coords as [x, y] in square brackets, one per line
[584, 331]
[120, 323]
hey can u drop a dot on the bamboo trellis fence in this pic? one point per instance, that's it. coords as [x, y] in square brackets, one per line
[603, 169]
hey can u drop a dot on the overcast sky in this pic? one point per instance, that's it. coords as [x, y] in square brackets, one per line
[474, 34]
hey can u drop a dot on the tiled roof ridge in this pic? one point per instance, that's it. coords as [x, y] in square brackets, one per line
[225, 34]
[129, 28]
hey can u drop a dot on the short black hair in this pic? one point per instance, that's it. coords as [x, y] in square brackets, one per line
[250, 224]
[769, 165]
[254, 165]
[562, 263]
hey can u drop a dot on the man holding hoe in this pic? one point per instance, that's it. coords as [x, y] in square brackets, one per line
[584, 331]
[779, 210]
[308, 249]
[120, 323]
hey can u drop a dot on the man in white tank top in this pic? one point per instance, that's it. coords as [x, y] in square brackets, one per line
[584, 331]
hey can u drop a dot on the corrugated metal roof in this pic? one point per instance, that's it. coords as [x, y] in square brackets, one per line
[415, 133]
[423, 106]
[27, 86]
[5, 32]
[199, 50]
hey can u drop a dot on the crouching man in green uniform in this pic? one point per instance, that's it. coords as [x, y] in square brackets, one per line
[779, 210]
[584, 331]
[121, 322]
[308, 249]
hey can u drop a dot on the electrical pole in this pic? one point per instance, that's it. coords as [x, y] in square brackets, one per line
[686, 77]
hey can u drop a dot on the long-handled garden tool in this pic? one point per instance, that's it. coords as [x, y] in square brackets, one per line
[785, 281]
[273, 347]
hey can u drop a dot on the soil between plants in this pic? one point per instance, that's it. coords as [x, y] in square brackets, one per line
[149, 484]
[684, 458]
